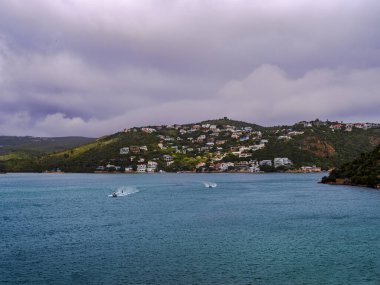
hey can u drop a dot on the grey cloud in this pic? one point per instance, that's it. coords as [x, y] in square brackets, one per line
[96, 67]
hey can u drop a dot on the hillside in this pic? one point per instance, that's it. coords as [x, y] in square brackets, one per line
[214, 145]
[39, 144]
[363, 171]
[14, 150]
[225, 121]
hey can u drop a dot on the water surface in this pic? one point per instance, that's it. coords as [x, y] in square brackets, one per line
[171, 229]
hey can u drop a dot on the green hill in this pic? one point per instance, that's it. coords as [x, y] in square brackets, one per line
[39, 144]
[363, 171]
[21, 151]
[226, 121]
[210, 143]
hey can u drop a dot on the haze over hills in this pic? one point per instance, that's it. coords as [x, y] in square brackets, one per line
[213, 145]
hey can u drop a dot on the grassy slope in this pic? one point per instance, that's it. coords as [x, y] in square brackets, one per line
[22, 153]
[11, 144]
[318, 145]
[322, 147]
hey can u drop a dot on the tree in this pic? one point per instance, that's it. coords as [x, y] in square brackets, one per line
[2, 167]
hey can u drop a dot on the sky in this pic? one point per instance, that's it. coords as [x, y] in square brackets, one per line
[91, 68]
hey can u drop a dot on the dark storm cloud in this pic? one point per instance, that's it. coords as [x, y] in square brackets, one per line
[85, 67]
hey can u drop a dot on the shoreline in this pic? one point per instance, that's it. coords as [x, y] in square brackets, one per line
[156, 173]
[350, 184]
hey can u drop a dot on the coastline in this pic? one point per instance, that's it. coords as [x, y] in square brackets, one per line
[339, 183]
[167, 172]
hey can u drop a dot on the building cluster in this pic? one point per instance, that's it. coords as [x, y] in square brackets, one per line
[350, 126]
[215, 147]
[336, 126]
[251, 165]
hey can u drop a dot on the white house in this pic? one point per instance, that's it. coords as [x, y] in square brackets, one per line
[257, 146]
[284, 138]
[265, 162]
[144, 148]
[141, 168]
[167, 158]
[295, 133]
[254, 169]
[282, 161]
[128, 169]
[201, 138]
[148, 130]
[224, 165]
[124, 150]
[152, 166]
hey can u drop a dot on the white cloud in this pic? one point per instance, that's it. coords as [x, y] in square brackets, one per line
[268, 94]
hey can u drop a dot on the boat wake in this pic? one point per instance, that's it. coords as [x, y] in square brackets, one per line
[210, 184]
[124, 191]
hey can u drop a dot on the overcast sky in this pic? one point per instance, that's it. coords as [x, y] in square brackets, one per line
[82, 67]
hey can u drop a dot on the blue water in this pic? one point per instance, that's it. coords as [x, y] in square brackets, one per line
[171, 229]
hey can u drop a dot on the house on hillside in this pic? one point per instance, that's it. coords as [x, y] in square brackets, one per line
[134, 149]
[128, 169]
[336, 127]
[148, 130]
[141, 168]
[201, 138]
[144, 148]
[124, 150]
[225, 165]
[266, 162]
[282, 161]
[168, 159]
[151, 166]
[294, 133]
[242, 165]
[311, 169]
[284, 138]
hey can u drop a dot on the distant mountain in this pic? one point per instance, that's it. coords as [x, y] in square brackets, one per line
[363, 171]
[213, 145]
[39, 144]
[15, 149]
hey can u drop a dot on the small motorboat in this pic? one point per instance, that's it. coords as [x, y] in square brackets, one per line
[209, 184]
[114, 194]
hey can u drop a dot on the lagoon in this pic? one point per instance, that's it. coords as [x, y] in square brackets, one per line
[171, 229]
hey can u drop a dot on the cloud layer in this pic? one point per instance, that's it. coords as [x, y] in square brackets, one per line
[86, 68]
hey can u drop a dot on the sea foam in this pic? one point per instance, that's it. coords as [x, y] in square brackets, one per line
[125, 191]
[210, 184]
